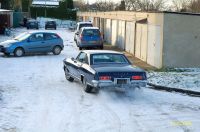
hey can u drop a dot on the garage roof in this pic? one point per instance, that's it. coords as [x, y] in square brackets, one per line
[4, 10]
[43, 3]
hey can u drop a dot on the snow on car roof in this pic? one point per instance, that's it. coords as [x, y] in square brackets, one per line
[101, 51]
[84, 23]
[90, 28]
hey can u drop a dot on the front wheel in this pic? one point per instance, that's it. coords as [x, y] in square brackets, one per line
[67, 75]
[57, 50]
[19, 52]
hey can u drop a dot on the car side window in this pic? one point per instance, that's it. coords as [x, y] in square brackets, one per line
[50, 36]
[36, 37]
[82, 57]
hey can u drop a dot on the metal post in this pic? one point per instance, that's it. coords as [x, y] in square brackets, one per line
[45, 9]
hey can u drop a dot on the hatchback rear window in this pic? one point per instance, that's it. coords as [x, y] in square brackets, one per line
[91, 32]
[85, 25]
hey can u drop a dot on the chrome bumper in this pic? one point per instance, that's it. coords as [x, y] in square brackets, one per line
[130, 84]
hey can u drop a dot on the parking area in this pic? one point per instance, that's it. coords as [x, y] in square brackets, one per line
[36, 97]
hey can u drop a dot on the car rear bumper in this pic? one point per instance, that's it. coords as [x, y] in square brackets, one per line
[111, 84]
[90, 45]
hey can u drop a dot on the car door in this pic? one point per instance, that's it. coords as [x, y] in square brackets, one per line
[36, 43]
[77, 66]
[50, 41]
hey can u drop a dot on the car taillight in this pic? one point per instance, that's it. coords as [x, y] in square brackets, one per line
[81, 37]
[104, 78]
[58, 36]
[137, 77]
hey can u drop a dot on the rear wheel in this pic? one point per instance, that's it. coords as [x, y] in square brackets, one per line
[19, 52]
[87, 88]
[67, 75]
[57, 50]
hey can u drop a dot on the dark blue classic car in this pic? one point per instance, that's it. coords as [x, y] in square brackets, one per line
[97, 69]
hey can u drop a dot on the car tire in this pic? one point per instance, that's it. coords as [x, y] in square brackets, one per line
[87, 88]
[57, 50]
[19, 52]
[55, 28]
[67, 76]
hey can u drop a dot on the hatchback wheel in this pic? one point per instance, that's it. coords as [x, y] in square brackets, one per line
[57, 50]
[18, 52]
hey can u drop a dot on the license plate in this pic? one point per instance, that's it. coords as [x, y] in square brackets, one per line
[92, 42]
[122, 81]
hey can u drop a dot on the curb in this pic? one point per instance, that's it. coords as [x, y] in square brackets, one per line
[169, 89]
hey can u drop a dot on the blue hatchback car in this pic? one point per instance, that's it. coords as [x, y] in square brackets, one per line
[89, 37]
[33, 42]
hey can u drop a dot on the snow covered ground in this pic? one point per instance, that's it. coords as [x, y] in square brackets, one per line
[188, 79]
[35, 97]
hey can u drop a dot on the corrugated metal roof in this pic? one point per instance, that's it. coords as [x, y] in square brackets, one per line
[45, 2]
[4, 10]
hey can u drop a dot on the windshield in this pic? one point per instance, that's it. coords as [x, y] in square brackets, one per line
[109, 58]
[22, 36]
[85, 25]
[91, 32]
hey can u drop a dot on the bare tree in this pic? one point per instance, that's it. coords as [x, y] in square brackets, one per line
[180, 5]
[151, 5]
[81, 5]
[101, 5]
[194, 6]
[145, 5]
[131, 4]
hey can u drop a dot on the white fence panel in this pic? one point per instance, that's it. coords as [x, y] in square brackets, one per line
[121, 35]
[154, 56]
[130, 37]
[114, 32]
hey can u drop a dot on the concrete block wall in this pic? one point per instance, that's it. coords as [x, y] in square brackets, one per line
[181, 40]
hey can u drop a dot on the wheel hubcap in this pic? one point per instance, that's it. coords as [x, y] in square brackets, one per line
[57, 50]
[19, 52]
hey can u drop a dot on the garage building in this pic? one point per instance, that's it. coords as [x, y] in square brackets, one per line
[162, 39]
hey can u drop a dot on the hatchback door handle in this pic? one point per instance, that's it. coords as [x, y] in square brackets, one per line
[43, 42]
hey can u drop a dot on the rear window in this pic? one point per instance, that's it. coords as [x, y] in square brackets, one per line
[109, 59]
[51, 22]
[91, 32]
[85, 25]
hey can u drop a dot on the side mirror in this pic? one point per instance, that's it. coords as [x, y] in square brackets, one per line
[77, 33]
[28, 40]
[72, 59]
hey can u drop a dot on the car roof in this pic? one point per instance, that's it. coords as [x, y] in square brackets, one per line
[84, 23]
[32, 32]
[90, 28]
[101, 51]
[50, 21]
